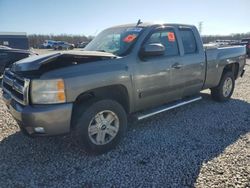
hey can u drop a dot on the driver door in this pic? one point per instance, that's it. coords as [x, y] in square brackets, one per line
[152, 76]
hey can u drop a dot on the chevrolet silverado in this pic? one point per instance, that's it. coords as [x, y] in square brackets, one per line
[145, 68]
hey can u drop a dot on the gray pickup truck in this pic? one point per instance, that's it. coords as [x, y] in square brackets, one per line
[144, 68]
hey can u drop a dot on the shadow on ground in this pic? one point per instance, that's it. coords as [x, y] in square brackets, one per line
[167, 149]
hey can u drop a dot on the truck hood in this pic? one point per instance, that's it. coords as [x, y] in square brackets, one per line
[35, 63]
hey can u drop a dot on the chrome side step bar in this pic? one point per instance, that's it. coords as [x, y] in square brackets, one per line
[167, 107]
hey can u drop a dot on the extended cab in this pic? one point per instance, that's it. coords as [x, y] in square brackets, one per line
[145, 68]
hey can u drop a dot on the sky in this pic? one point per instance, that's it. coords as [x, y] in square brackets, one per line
[89, 17]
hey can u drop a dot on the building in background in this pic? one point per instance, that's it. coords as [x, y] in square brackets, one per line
[17, 40]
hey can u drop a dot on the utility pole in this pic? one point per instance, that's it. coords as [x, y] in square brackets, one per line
[200, 27]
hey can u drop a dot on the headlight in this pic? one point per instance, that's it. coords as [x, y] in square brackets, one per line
[47, 91]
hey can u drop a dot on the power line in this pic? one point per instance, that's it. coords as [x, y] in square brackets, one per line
[200, 27]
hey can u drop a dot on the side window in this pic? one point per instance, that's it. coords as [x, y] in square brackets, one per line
[166, 38]
[188, 40]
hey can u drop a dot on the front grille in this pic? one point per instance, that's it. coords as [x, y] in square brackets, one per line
[15, 86]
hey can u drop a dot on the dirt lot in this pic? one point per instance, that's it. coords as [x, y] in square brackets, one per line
[206, 144]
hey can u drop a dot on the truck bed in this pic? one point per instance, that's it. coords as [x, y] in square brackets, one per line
[217, 58]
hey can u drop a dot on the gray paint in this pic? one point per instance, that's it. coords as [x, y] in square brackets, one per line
[150, 81]
[35, 62]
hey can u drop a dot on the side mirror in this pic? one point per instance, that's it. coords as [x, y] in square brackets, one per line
[153, 49]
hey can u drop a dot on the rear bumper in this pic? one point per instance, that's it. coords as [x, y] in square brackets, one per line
[41, 120]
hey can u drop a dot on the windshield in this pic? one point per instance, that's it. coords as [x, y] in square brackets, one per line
[115, 40]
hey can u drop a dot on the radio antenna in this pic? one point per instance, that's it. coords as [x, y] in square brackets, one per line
[139, 22]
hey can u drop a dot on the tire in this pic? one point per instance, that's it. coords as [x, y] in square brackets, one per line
[224, 90]
[90, 128]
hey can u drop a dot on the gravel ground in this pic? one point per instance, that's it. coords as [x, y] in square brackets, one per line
[205, 144]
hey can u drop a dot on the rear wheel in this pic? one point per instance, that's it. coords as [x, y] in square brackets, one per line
[101, 126]
[224, 90]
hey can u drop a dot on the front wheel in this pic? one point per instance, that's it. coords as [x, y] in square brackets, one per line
[101, 126]
[224, 90]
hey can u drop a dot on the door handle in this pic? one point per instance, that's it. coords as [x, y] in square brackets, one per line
[176, 66]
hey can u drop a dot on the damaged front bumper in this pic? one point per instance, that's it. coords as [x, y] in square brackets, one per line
[41, 120]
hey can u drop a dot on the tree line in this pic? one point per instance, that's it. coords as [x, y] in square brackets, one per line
[36, 41]
[237, 37]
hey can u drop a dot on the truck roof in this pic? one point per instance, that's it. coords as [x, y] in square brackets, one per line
[152, 24]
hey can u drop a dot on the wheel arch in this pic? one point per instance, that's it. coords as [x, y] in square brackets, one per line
[232, 67]
[117, 92]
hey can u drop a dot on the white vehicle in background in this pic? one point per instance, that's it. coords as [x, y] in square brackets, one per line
[61, 45]
[48, 44]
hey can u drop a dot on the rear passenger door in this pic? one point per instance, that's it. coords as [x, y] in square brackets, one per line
[190, 76]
